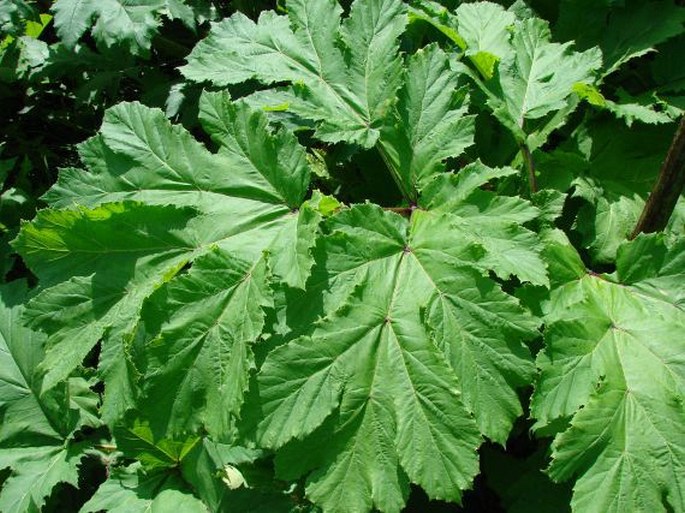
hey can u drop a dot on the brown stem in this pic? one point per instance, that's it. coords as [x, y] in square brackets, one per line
[530, 166]
[403, 211]
[668, 187]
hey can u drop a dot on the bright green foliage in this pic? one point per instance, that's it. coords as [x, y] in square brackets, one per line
[634, 109]
[432, 124]
[205, 321]
[539, 79]
[481, 30]
[426, 305]
[119, 22]
[331, 281]
[613, 365]
[535, 77]
[348, 92]
[484, 27]
[36, 431]
[409, 306]
[229, 204]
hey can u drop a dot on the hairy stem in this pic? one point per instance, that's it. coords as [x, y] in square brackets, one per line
[530, 167]
[668, 187]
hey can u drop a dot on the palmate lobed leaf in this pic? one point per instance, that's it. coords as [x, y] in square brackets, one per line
[344, 74]
[178, 296]
[417, 355]
[123, 240]
[204, 324]
[542, 75]
[613, 366]
[432, 123]
[36, 471]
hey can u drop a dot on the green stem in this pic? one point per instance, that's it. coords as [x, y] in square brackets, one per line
[106, 447]
[530, 167]
[409, 195]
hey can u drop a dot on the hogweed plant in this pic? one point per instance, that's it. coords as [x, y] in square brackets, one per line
[398, 241]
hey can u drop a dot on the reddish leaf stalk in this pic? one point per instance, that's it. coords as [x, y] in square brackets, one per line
[403, 211]
[668, 187]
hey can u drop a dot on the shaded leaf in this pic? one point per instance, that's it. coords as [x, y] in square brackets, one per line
[132, 490]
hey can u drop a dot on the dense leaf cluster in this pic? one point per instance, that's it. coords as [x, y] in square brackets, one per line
[340, 258]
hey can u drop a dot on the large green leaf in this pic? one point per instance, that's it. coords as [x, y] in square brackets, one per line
[418, 352]
[614, 368]
[359, 94]
[344, 75]
[495, 223]
[121, 240]
[480, 29]
[35, 428]
[539, 79]
[205, 322]
[36, 471]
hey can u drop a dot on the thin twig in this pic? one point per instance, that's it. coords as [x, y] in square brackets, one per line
[668, 187]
